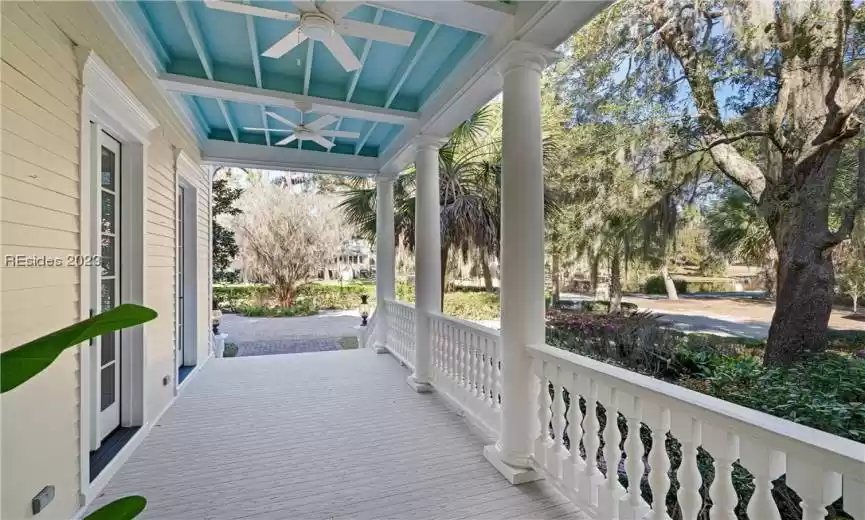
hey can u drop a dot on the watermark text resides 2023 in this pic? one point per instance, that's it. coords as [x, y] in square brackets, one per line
[51, 261]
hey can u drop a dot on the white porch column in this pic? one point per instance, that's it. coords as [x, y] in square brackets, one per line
[427, 254]
[385, 257]
[522, 259]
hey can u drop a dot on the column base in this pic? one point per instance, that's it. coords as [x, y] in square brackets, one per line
[515, 476]
[417, 386]
[379, 348]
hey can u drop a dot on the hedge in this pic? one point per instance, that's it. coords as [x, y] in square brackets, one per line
[656, 285]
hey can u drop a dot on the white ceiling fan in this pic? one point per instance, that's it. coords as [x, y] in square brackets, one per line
[319, 21]
[314, 131]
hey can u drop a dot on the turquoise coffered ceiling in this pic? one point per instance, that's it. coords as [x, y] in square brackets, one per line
[240, 83]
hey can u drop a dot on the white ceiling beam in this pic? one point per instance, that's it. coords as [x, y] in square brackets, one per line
[421, 41]
[352, 83]
[358, 146]
[259, 96]
[256, 67]
[194, 33]
[470, 16]
[307, 72]
[245, 155]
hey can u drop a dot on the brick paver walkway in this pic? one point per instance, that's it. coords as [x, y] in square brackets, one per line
[266, 336]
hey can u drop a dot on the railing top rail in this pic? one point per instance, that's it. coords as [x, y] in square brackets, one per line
[818, 447]
[402, 303]
[480, 329]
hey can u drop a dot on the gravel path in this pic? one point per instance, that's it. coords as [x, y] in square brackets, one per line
[329, 330]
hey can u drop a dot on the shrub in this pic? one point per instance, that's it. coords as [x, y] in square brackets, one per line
[603, 307]
[472, 305]
[655, 285]
[229, 296]
[336, 296]
[298, 308]
[825, 392]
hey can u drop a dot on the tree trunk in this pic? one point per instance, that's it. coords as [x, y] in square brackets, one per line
[557, 282]
[593, 273]
[855, 302]
[488, 275]
[806, 280]
[668, 283]
[615, 283]
[444, 267]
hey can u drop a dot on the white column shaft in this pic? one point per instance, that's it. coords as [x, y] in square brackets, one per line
[385, 257]
[427, 256]
[522, 254]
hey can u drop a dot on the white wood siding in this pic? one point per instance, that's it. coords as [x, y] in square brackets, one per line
[40, 215]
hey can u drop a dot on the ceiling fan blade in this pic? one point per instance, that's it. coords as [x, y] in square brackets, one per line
[337, 9]
[306, 6]
[267, 129]
[341, 51]
[321, 123]
[321, 141]
[370, 31]
[234, 7]
[289, 139]
[340, 133]
[284, 45]
[281, 120]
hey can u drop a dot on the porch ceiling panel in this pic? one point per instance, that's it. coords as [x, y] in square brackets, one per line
[199, 43]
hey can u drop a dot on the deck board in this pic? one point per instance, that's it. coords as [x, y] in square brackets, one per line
[325, 435]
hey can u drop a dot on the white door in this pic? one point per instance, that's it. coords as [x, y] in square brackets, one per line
[181, 281]
[108, 233]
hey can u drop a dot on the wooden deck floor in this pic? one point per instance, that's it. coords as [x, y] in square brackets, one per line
[320, 436]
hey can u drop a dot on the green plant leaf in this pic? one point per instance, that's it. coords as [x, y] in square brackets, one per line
[22, 363]
[124, 509]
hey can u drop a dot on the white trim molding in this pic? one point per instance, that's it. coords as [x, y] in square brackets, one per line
[260, 96]
[245, 155]
[107, 104]
[112, 96]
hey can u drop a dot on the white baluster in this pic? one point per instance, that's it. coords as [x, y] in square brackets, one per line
[633, 506]
[658, 419]
[724, 448]
[574, 465]
[497, 376]
[559, 453]
[811, 483]
[853, 491]
[473, 358]
[588, 487]
[613, 490]
[543, 441]
[688, 430]
[486, 378]
[451, 353]
[478, 367]
[766, 465]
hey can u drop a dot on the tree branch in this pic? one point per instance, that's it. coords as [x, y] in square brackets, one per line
[849, 218]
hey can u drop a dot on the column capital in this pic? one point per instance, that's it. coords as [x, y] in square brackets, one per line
[426, 141]
[522, 54]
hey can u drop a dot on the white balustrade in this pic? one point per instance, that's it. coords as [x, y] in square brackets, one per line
[466, 367]
[571, 391]
[400, 331]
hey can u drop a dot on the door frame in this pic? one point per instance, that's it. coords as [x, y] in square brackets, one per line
[107, 104]
[105, 140]
[189, 235]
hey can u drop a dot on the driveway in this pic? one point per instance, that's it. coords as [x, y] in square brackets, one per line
[328, 330]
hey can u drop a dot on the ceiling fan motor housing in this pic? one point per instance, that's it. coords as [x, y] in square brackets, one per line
[316, 26]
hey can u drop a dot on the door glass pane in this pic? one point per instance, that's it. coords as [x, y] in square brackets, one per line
[108, 300]
[108, 213]
[107, 377]
[108, 350]
[107, 259]
[108, 172]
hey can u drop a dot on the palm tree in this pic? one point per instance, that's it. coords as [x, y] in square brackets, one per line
[469, 193]
[736, 229]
